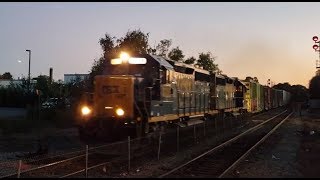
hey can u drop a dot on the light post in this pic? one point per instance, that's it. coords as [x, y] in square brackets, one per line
[29, 68]
[317, 49]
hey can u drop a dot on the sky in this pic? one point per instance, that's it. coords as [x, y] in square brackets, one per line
[267, 40]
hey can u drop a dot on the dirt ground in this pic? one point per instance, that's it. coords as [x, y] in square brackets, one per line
[292, 151]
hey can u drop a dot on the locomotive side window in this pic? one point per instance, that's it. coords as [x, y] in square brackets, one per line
[163, 75]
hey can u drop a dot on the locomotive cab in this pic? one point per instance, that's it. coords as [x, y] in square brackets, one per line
[123, 95]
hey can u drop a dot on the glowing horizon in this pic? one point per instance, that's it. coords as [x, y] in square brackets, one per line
[269, 40]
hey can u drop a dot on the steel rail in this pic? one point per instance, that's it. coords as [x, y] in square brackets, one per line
[223, 144]
[253, 147]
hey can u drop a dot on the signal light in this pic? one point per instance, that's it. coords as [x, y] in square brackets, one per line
[315, 47]
[315, 38]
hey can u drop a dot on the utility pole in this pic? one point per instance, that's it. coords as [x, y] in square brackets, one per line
[29, 69]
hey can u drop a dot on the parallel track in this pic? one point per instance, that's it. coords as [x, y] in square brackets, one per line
[221, 159]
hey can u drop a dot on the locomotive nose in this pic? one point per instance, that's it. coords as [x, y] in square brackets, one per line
[114, 96]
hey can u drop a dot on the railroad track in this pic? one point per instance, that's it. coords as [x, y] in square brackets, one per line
[74, 163]
[223, 158]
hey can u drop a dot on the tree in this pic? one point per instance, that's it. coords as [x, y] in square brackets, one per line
[299, 93]
[134, 42]
[176, 54]
[96, 69]
[6, 75]
[43, 85]
[163, 47]
[206, 61]
[190, 60]
[314, 87]
[107, 44]
[256, 79]
[284, 86]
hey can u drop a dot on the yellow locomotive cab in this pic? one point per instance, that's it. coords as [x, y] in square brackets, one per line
[113, 96]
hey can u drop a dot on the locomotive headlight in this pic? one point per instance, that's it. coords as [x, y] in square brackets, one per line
[85, 110]
[124, 56]
[120, 112]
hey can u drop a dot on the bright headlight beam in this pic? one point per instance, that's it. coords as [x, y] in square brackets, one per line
[120, 112]
[137, 61]
[116, 61]
[85, 110]
[124, 56]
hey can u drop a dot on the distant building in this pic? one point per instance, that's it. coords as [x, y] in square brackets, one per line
[69, 78]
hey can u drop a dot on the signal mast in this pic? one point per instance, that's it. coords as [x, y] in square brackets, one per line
[316, 48]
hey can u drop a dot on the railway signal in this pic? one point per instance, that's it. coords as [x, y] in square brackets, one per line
[316, 48]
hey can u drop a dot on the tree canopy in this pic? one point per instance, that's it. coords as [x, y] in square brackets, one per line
[190, 60]
[176, 54]
[163, 47]
[206, 61]
[6, 75]
[298, 92]
[314, 87]
[137, 42]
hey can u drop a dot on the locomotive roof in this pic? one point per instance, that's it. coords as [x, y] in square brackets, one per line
[166, 63]
[162, 61]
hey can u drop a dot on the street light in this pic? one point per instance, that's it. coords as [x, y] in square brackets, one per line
[29, 68]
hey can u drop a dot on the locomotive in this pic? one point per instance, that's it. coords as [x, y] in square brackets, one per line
[141, 93]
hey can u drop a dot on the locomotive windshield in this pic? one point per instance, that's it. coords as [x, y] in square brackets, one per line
[124, 69]
[125, 65]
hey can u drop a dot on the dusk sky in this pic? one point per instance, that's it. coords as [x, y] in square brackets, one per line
[264, 40]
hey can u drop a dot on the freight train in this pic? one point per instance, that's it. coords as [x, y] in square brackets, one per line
[143, 93]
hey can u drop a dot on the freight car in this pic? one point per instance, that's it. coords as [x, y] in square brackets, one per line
[261, 98]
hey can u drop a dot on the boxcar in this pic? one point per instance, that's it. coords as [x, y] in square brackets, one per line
[251, 96]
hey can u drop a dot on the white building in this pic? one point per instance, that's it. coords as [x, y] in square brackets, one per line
[68, 78]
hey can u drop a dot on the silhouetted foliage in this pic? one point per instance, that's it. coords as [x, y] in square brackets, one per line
[6, 75]
[163, 47]
[96, 69]
[134, 42]
[107, 44]
[176, 54]
[190, 60]
[15, 95]
[314, 87]
[284, 86]
[206, 61]
[298, 92]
